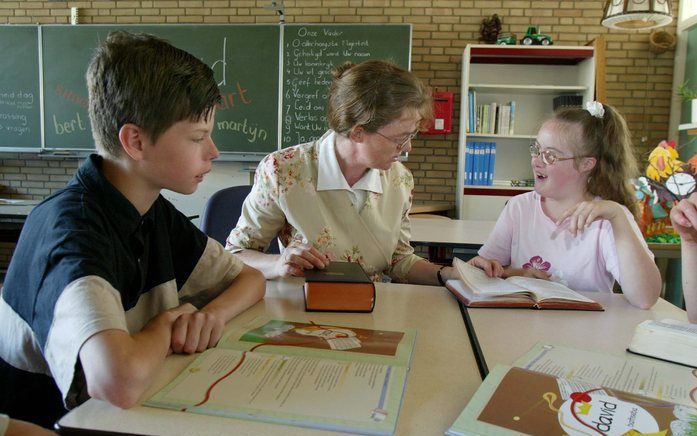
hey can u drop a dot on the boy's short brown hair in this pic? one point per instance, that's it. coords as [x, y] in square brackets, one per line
[141, 79]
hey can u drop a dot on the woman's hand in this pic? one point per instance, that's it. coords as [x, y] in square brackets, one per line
[491, 267]
[298, 257]
[527, 272]
[683, 215]
[584, 213]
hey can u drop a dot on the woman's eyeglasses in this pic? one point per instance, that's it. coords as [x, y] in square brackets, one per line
[548, 156]
[400, 143]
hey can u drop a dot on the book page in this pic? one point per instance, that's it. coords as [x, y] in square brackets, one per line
[314, 392]
[545, 289]
[321, 340]
[514, 401]
[477, 280]
[682, 328]
[636, 375]
[463, 290]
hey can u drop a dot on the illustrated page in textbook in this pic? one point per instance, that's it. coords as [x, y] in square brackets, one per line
[515, 400]
[633, 374]
[310, 375]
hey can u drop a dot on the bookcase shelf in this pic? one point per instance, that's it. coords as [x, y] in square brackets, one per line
[498, 135]
[531, 77]
[527, 89]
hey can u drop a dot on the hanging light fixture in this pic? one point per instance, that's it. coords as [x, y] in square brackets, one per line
[636, 14]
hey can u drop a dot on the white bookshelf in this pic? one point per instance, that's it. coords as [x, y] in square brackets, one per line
[532, 76]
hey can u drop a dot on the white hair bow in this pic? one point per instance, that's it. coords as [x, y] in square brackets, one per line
[595, 108]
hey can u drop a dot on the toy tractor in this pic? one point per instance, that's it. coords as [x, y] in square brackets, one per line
[531, 37]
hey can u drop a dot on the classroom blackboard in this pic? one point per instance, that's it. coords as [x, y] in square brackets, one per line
[273, 78]
[311, 51]
[243, 57]
[20, 105]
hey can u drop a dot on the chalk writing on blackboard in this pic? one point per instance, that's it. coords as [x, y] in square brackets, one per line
[310, 53]
[15, 110]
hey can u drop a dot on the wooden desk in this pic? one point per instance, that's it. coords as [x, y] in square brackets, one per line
[500, 336]
[418, 208]
[442, 378]
[450, 233]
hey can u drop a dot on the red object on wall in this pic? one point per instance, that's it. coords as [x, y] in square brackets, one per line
[442, 113]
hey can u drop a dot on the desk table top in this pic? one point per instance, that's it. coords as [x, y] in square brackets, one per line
[442, 378]
[504, 335]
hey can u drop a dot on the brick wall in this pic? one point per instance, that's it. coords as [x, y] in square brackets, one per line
[638, 81]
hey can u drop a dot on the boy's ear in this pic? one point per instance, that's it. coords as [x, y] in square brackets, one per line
[132, 140]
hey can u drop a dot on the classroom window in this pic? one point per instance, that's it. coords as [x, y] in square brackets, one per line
[689, 9]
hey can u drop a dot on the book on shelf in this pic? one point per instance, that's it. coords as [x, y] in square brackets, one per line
[476, 289]
[668, 339]
[511, 123]
[514, 401]
[468, 162]
[339, 287]
[480, 160]
[294, 373]
[491, 149]
[493, 109]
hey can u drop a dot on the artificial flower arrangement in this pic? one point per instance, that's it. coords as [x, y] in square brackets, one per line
[667, 180]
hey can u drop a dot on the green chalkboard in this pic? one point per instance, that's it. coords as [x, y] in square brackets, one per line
[265, 91]
[311, 51]
[20, 110]
[245, 59]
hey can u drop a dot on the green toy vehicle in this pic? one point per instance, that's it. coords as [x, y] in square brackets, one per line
[506, 39]
[533, 38]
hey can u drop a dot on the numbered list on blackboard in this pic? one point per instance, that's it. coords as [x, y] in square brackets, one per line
[310, 53]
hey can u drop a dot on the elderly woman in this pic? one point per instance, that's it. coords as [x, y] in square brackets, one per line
[344, 196]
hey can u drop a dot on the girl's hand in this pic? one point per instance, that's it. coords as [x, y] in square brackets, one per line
[527, 272]
[683, 215]
[584, 213]
[296, 258]
[491, 267]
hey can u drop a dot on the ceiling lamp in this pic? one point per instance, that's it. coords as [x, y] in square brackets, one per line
[636, 14]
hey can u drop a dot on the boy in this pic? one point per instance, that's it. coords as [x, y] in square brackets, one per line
[108, 278]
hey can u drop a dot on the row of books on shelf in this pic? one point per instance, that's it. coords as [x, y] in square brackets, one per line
[490, 118]
[480, 161]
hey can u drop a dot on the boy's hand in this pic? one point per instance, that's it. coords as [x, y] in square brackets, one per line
[527, 272]
[491, 267]
[584, 213]
[296, 258]
[683, 215]
[195, 331]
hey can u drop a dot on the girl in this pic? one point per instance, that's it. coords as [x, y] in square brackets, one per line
[577, 227]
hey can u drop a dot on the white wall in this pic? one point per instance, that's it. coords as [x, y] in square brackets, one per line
[223, 175]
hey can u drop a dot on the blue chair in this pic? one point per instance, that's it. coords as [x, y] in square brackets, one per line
[221, 212]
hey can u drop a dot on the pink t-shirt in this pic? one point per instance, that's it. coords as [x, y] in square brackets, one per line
[524, 237]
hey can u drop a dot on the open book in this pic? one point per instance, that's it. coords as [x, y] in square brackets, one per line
[513, 401]
[309, 375]
[475, 289]
[669, 340]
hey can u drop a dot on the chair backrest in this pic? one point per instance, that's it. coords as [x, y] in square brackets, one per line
[221, 212]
